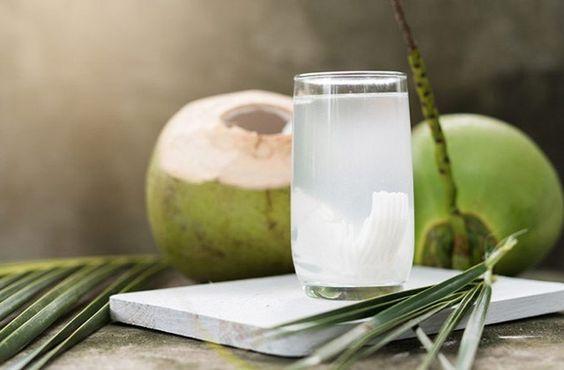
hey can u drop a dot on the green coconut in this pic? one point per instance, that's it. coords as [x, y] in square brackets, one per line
[218, 187]
[505, 184]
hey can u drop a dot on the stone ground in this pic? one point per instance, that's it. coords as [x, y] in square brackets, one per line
[536, 343]
[527, 344]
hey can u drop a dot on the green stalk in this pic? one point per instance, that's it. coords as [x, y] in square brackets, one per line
[461, 247]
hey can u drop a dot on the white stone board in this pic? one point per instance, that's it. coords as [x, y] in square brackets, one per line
[231, 313]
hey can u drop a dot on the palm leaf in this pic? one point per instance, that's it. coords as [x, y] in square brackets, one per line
[81, 317]
[356, 352]
[6, 280]
[18, 284]
[100, 317]
[43, 301]
[353, 340]
[474, 327]
[396, 312]
[352, 312]
[428, 344]
[450, 324]
[20, 297]
[67, 283]
[57, 302]
[406, 309]
[19, 267]
[357, 311]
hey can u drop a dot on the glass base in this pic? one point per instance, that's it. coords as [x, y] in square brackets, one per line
[349, 293]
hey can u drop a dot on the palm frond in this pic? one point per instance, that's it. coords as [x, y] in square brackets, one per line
[474, 327]
[91, 318]
[360, 310]
[401, 313]
[356, 351]
[428, 345]
[8, 279]
[19, 283]
[20, 297]
[48, 290]
[450, 324]
[27, 266]
[384, 320]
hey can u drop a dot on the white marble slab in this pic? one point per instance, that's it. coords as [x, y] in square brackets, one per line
[231, 313]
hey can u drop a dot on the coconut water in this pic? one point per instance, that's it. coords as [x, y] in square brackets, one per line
[352, 190]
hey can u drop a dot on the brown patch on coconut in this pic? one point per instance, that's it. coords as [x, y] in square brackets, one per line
[235, 139]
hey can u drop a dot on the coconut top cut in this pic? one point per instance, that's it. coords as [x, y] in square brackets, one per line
[235, 139]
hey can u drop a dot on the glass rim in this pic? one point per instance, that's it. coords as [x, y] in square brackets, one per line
[352, 75]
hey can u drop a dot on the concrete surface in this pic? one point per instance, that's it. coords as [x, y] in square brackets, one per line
[528, 344]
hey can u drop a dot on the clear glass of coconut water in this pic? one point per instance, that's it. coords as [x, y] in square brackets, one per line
[352, 186]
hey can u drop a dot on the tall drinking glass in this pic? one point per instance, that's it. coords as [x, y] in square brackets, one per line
[352, 186]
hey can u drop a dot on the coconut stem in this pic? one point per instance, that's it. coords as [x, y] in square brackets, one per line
[461, 250]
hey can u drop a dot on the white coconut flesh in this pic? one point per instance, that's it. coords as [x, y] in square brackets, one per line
[235, 139]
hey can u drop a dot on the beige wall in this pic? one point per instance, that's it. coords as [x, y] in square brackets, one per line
[86, 85]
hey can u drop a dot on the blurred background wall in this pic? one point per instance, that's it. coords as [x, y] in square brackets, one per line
[86, 86]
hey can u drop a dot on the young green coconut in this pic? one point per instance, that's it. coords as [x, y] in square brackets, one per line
[492, 181]
[505, 183]
[218, 187]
